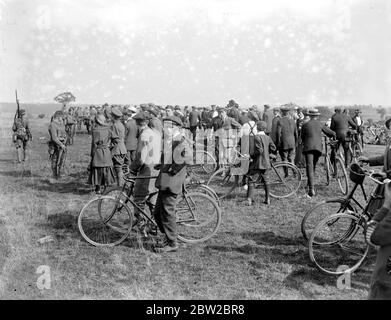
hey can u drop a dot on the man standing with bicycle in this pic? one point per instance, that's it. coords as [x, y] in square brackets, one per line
[170, 182]
[286, 136]
[340, 125]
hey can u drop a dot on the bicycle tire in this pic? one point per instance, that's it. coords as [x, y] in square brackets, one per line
[205, 164]
[357, 149]
[198, 217]
[321, 210]
[282, 186]
[203, 189]
[341, 176]
[341, 252]
[114, 230]
[223, 183]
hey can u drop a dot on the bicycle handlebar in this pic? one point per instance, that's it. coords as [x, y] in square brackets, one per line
[375, 176]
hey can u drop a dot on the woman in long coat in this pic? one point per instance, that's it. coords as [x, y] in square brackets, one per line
[101, 170]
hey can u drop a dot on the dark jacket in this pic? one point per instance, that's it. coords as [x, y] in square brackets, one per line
[131, 133]
[57, 133]
[234, 113]
[268, 117]
[172, 175]
[206, 119]
[273, 132]
[118, 138]
[340, 125]
[286, 133]
[100, 146]
[263, 146]
[311, 135]
[194, 119]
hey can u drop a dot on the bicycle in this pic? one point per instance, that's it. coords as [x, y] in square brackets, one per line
[284, 178]
[108, 220]
[335, 168]
[192, 183]
[355, 149]
[339, 238]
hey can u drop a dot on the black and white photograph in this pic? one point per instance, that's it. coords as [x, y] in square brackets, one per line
[195, 150]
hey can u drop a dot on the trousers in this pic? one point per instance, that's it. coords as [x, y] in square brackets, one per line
[311, 159]
[165, 215]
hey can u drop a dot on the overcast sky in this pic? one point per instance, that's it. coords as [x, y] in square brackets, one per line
[197, 52]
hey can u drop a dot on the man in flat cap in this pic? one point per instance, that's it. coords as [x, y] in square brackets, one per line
[22, 135]
[118, 150]
[147, 156]
[155, 122]
[194, 122]
[57, 147]
[170, 182]
[268, 117]
[131, 134]
[286, 136]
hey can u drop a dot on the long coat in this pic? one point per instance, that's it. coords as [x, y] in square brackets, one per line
[286, 133]
[340, 125]
[380, 287]
[131, 133]
[194, 118]
[311, 135]
[263, 146]
[268, 118]
[118, 136]
[100, 146]
[273, 132]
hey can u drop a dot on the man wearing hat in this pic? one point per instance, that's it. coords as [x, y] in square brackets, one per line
[170, 182]
[226, 134]
[22, 135]
[118, 150]
[311, 136]
[286, 136]
[57, 148]
[194, 122]
[148, 153]
[268, 117]
[358, 120]
[155, 122]
[340, 125]
[276, 118]
[131, 134]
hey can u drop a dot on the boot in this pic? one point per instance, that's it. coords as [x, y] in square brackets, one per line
[267, 194]
[250, 195]
[311, 192]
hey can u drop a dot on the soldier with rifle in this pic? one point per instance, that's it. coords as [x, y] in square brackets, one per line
[22, 134]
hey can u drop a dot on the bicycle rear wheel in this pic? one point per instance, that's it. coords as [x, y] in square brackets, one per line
[205, 164]
[223, 182]
[105, 221]
[322, 210]
[202, 188]
[198, 217]
[284, 179]
[338, 245]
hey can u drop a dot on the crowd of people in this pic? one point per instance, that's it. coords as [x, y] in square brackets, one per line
[152, 141]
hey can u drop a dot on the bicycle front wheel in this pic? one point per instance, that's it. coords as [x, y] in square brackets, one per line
[105, 221]
[198, 217]
[338, 245]
[284, 179]
[202, 188]
[322, 210]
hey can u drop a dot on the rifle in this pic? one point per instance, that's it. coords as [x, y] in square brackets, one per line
[17, 114]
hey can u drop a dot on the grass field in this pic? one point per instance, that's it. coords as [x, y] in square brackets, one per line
[258, 252]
